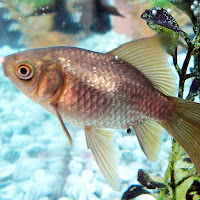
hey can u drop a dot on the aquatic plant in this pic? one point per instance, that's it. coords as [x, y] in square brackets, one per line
[37, 3]
[161, 3]
[181, 180]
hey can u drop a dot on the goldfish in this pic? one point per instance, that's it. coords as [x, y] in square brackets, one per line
[132, 86]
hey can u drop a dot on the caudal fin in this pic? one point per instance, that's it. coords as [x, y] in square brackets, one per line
[184, 126]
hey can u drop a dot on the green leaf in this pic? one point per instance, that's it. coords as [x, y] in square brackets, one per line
[38, 3]
[161, 3]
[149, 181]
[133, 192]
[185, 6]
[194, 191]
[160, 21]
[182, 189]
[161, 17]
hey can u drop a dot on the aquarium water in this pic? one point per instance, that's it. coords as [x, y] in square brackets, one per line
[36, 160]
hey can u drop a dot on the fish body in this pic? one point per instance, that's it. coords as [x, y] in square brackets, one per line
[89, 92]
[131, 86]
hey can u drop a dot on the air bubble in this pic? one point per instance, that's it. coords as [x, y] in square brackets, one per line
[1, 5]
[154, 12]
[169, 10]
[192, 7]
[196, 3]
[196, 12]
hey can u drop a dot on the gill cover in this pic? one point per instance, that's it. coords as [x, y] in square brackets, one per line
[50, 81]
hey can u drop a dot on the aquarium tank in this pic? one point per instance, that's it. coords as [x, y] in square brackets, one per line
[58, 156]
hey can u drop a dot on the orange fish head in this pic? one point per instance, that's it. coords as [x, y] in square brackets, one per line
[21, 69]
[33, 72]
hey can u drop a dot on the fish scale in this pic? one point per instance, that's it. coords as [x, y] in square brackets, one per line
[105, 74]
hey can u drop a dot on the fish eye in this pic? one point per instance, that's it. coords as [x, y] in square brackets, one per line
[24, 71]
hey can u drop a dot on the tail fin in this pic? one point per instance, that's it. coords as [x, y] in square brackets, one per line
[184, 126]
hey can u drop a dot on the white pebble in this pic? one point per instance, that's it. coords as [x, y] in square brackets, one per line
[73, 186]
[92, 197]
[33, 150]
[6, 172]
[58, 149]
[42, 177]
[21, 140]
[75, 167]
[19, 196]
[26, 167]
[108, 193]
[49, 184]
[44, 198]
[56, 165]
[87, 175]
[126, 173]
[66, 198]
[9, 192]
[145, 197]
[126, 142]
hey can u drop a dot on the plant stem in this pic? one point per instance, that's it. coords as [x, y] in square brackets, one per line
[173, 159]
[184, 69]
[191, 75]
[175, 57]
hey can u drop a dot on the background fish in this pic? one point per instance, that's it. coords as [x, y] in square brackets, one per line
[131, 86]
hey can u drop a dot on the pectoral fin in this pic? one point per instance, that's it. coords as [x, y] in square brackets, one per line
[149, 136]
[62, 123]
[106, 154]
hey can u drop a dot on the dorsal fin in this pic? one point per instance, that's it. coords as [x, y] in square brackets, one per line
[148, 56]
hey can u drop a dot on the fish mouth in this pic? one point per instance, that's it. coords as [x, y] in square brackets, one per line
[2, 60]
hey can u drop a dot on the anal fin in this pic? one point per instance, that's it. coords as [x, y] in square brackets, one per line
[62, 123]
[106, 154]
[149, 136]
